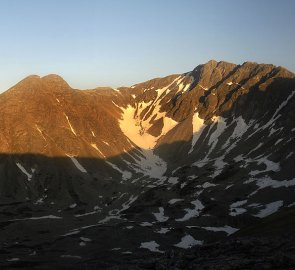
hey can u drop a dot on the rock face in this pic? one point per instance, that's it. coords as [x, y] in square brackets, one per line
[170, 163]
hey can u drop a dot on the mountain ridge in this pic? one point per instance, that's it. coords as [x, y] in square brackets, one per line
[170, 163]
[211, 63]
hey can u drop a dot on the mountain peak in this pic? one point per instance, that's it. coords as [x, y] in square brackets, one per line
[30, 79]
[55, 81]
[34, 84]
[211, 63]
[52, 76]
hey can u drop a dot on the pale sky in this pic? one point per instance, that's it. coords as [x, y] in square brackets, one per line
[94, 43]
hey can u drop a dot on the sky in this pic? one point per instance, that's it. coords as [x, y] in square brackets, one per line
[93, 43]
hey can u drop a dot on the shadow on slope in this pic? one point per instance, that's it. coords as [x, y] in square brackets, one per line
[282, 222]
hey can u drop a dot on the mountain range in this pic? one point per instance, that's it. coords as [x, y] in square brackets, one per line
[105, 176]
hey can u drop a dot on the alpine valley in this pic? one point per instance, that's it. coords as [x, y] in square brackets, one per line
[190, 171]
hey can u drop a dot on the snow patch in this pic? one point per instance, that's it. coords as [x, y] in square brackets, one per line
[160, 217]
[173, 201]
[204, 88]
[228, 186]
[227, 229]
[13, 260]
[190, 213]
[235, 210]
[275, 116]
[106, 143]
[173, 180]
[85, 239]
[29, 175]
[107, 219]
[188, 241]
[127, 204]
[240, 128]
[146, 224]
[71, 257]
[269, 209]
[268, 182]
[207, 185]
[220, 124]
[238, 158]
[96, 148]
[134, 130]
[73, 205]
[289, 155]
[77, 164]
[151, 165]
[151, 246]
[88, 213]
[257, 147]
[219, 165]
[270, 166]
[71, 127]
[71, 233]
[278, 141]
[125, 174]
[198, 127]
[40, 131]
[37, 218]
[163, 230]
[126, 252]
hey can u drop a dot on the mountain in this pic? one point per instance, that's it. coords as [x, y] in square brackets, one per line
[103, 176]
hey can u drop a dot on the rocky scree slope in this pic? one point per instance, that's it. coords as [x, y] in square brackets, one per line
[173, 162]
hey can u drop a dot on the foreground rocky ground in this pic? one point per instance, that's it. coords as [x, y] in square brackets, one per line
[269, 244]
[239, 253]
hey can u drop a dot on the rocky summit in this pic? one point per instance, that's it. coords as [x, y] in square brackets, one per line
[190, 171]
